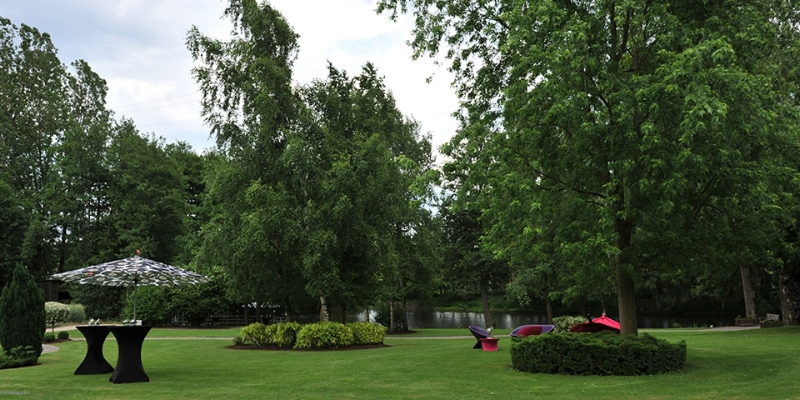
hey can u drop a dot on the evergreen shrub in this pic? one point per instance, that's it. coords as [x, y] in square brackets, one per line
[22, 317]
[19, 356]
[49, 337]
[324, 335]
[603, 353]
[562, 324]
[283, 334]
[63, 335]
[367, 333]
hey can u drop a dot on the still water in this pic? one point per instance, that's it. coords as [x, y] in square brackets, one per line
[509, 320]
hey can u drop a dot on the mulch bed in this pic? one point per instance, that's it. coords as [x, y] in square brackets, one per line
[276, 348]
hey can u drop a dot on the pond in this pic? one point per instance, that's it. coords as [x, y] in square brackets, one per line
[422, 318]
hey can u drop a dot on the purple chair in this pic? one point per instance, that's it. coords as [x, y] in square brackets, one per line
[479, 334]
[529, 330]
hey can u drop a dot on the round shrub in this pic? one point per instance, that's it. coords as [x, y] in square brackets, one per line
[77, 313]
[55, 313]
[324, 335]
[604, 353]
[49, 337]
[367, 333]
[255, 334]
[283, 334]
[562, 324]
[63, 335]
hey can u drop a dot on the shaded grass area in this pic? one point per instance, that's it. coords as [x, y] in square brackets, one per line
[730, 365]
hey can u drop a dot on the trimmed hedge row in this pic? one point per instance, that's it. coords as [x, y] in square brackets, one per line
[324, 335]
[603, 353]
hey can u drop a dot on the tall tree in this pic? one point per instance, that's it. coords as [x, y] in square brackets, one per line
[256, 228]
[650, 114]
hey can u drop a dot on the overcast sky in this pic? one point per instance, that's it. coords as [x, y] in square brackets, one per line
[138, 47]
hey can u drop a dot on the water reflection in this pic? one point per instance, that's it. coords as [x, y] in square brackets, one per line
[422, 318]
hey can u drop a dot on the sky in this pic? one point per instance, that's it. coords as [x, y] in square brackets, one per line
[138, 47]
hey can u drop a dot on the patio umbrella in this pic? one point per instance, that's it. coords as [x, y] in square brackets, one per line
[135, 271]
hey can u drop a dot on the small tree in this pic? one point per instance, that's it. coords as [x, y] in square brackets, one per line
[55, 312]
[22, 316]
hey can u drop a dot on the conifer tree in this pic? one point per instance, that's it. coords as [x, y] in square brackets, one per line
[22, 316]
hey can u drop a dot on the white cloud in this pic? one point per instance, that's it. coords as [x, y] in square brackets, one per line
[138, 46]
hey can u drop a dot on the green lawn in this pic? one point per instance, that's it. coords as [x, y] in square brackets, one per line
[721, 365]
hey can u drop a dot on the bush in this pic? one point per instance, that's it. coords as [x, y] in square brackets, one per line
[238, 340]
[367, 333]
[55, 313]
[100, 302]
[283, 334]
[255, 334]
[604, 353]
[324, 335]
[19, 356]
[562, 324]
[152, 306]
[76, 313]
[63, 335]
[49, 337]
[22, 317]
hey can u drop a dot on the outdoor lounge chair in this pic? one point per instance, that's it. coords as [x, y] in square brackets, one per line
[479, 334]
[529, 330]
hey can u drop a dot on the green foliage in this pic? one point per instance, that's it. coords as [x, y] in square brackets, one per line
[602, 353]
[256, 334]
[562, 324]
[22, 315]
[63, 335]
[197, 302]
[20, 356]
[100, 302]
[49, 337]
[55, 313]
[77, 313]
[367, 333]
[324, 335]
[152, 306]
[238, 340]
[283, 334]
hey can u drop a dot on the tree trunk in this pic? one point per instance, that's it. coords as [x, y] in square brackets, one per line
[287, 305]
[405, 315]
[786, 303]
[246, 314]
[749, 293]
[258, 313]
[323, 310]
[344, 313]
[391, 316]
[487, 314]
[549, 307]
[366, 314]
[626, 289]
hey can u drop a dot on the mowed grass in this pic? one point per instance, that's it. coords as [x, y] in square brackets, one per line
[721, 365]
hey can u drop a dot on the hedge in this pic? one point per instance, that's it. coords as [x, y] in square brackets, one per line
[367, 333]
[324, 335]
[603, 353]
